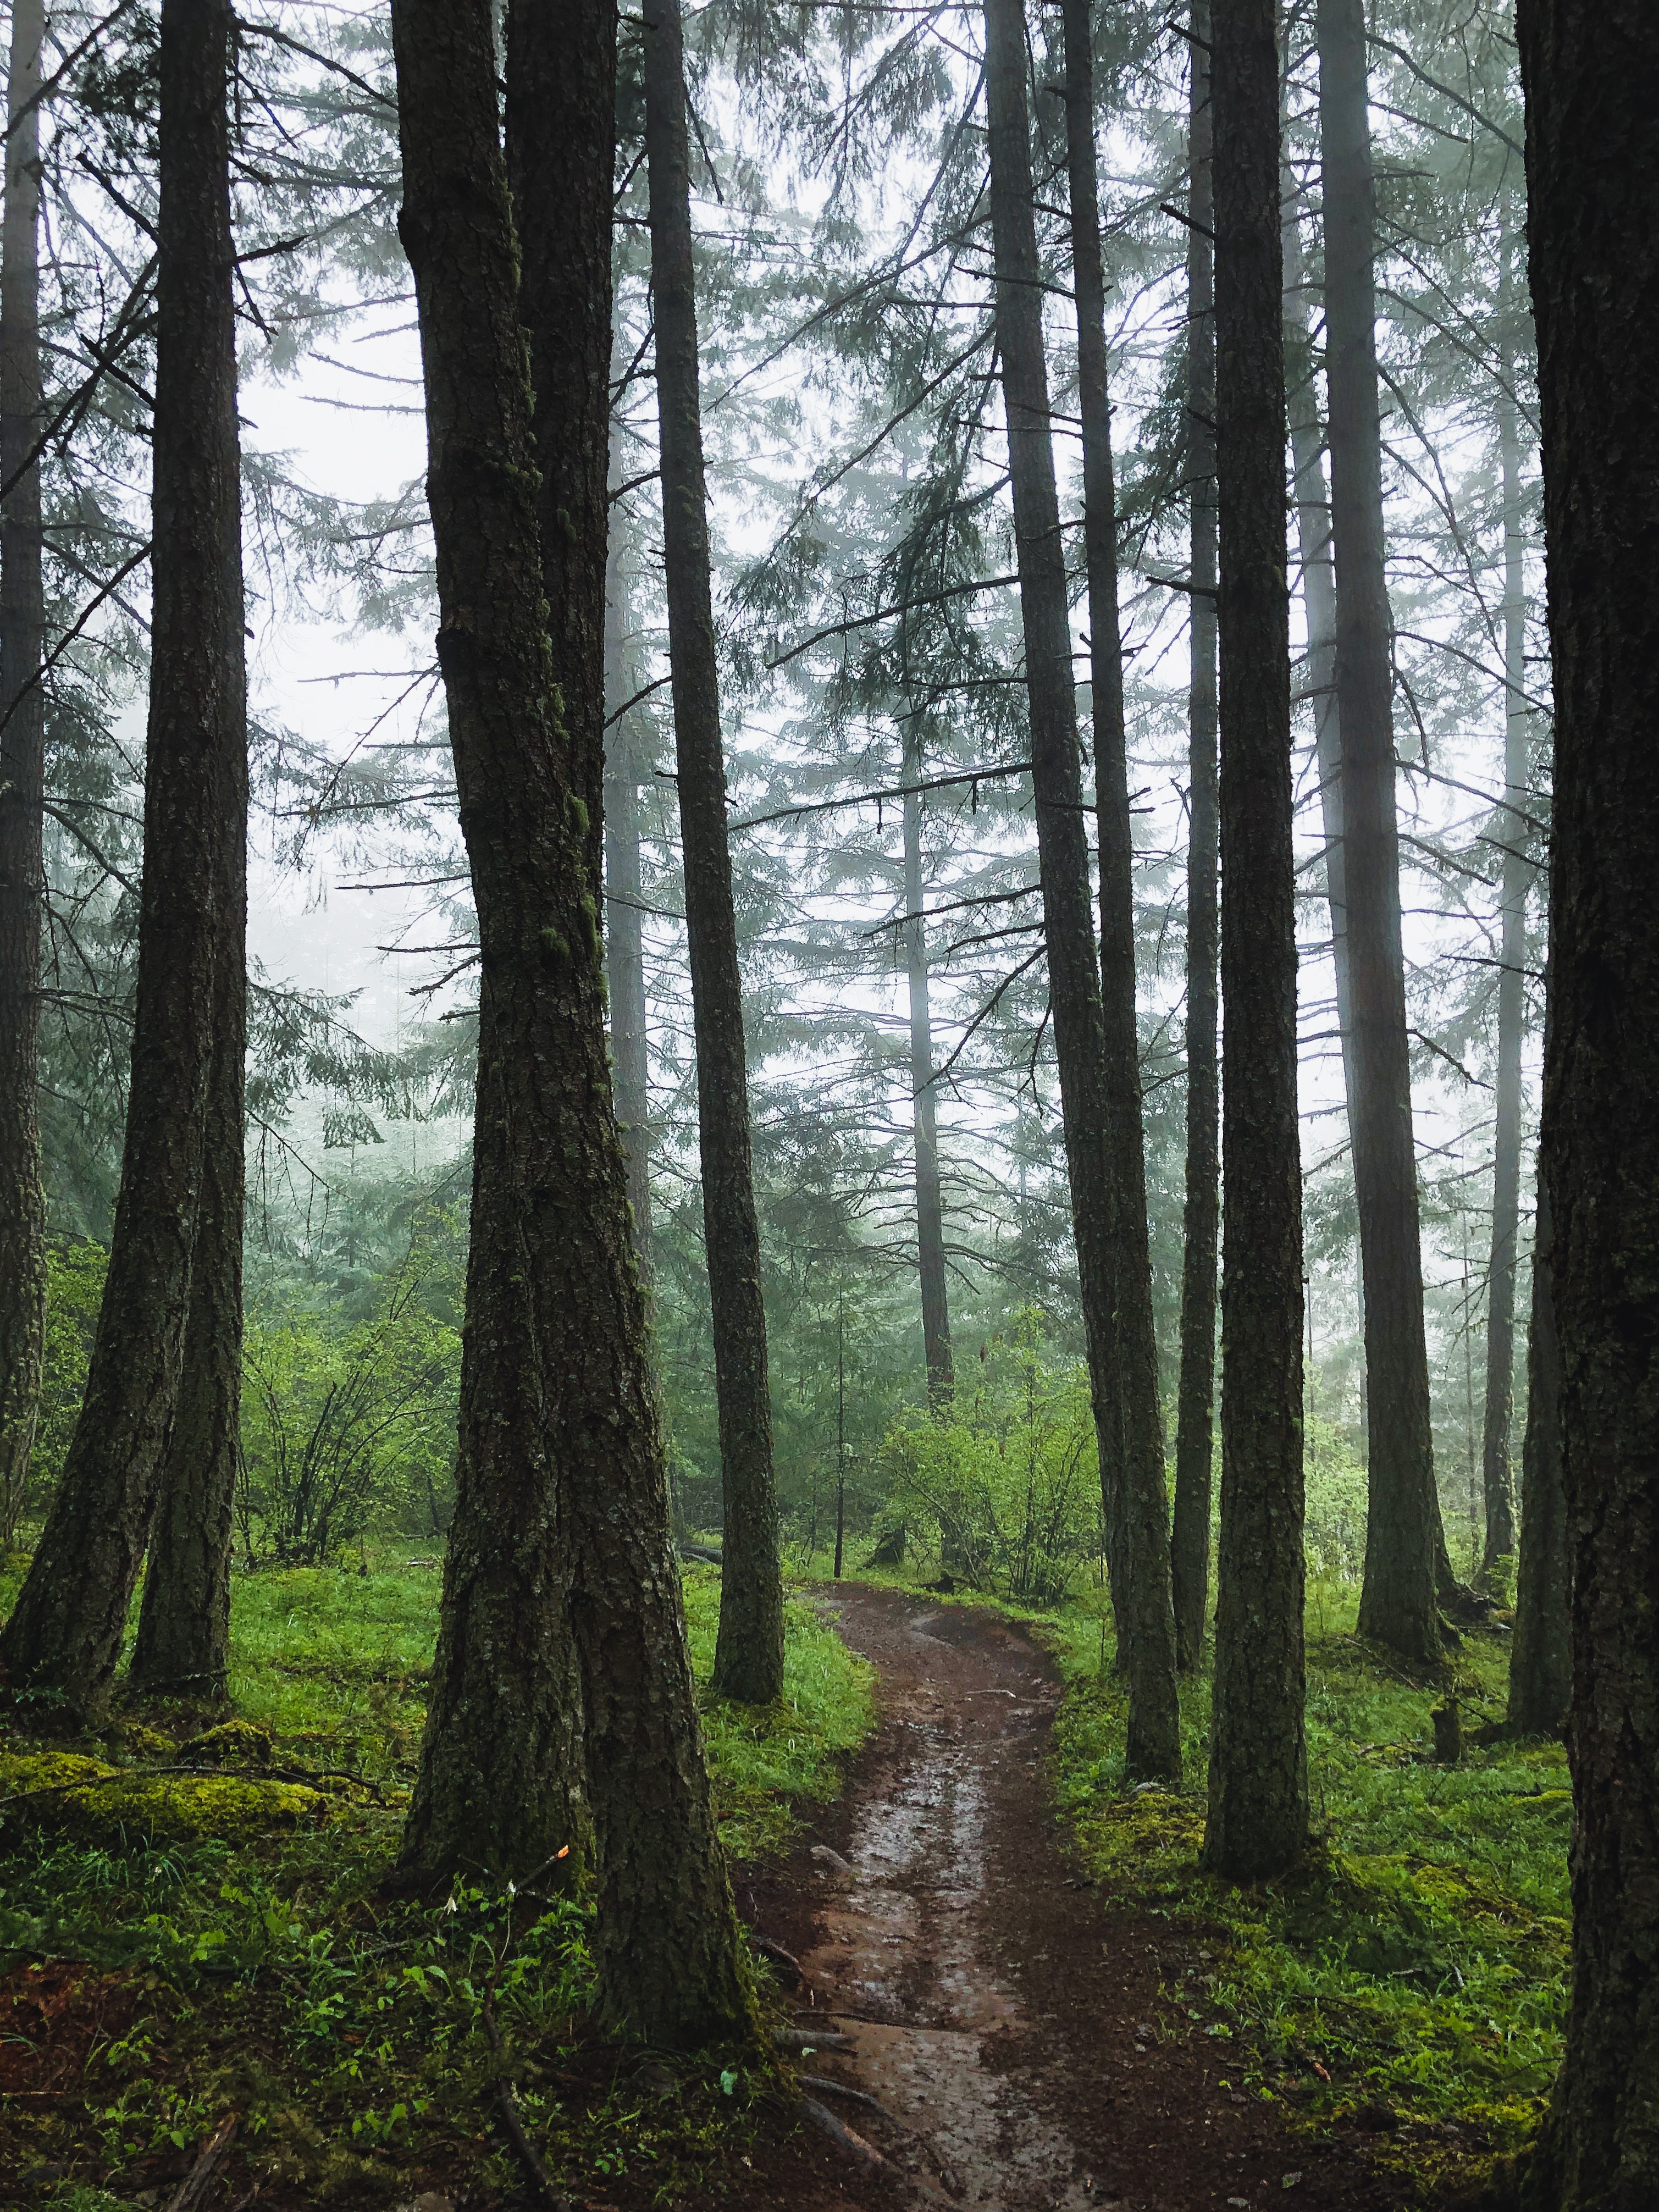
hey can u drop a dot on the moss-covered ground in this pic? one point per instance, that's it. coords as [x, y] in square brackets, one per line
[176, 1946]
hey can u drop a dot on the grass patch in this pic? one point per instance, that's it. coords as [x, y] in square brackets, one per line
[190, 1973]
[1415, 1969]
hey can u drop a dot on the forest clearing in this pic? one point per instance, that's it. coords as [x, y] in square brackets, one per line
[829, 1042]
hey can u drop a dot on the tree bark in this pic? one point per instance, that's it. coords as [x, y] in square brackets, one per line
[561, 1513]
[1498, 1482]
[749, 1651]
[1590, 74]
[624, 922]
[1540, 1655]
[1145, 1614]
[930, 1204]
[1195, 1415]
[65, 1632]
[183, 1646]
[1258, 1789]
[1142, 1494]
[560, 103]
[22, 777]
[1398, 1599]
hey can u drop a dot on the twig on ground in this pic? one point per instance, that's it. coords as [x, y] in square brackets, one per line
[507, 2107]
[194, 2189]
[807, 2039]
[845, 2138]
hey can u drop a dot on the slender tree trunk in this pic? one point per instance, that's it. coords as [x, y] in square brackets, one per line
[22, 774]
[560, 103]
[1195, 1417]
[1397, 1603]
[1258, 1797]
[183, 1647]
[1142, 1495]
[624, 920]
[1145, 1619]
[749, 1652]
[1540, 1655]
[565, 1480]
[65, 1632]
[1590, 74]
[1313, 520]
[930, 1205]
[1497, 1480]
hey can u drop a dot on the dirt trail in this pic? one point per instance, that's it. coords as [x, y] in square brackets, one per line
[1041, 2047]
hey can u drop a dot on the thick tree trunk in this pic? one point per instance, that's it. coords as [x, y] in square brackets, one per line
[624, 920]
[749, 1650]
[22, 763]
[183, 1647]
[65, 1632]
[560, 103]
[1591, 80]
[1195, 1417]
[1498, 1482]
[930, 1204]
[1143, 1500]
[562, 1498]
[1402, 1537]
[1540, 1655]
[1145, 1614]
[1258, 1797]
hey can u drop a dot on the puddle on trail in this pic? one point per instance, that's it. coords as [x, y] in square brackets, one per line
[905, 1963]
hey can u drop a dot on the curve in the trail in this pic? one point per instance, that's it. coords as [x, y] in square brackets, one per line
[1033, 2049]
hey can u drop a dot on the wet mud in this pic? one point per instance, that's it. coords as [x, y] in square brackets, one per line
[1031, 2050]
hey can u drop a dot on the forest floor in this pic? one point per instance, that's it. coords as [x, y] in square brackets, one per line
[1032, 1976]
[1032, 2045]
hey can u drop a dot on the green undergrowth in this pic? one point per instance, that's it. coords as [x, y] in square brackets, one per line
[1412, 1974]
[233, 1955]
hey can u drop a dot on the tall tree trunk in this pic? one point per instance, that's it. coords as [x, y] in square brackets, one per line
[624, 920]
[564, 1483]
[560, 103]
[1143, 1499]
[749, 1650]
[930, 1205]
[22, 774]
[1312, 523]
[1397, 1602]
[1497, 1480]
[1590, 74]
[1540, 1655]
[1145, 1619]
[1258, 1796]
[1195, 1417]
[65, 1632]
[183, 1646]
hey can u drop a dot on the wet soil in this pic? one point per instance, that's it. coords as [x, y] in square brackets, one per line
[1032, 2048]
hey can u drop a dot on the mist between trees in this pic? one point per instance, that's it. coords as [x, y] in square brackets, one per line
[967, 882]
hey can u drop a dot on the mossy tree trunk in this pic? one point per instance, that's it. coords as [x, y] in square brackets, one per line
[1258, 1786]
[1590, 74]
[1195, 1413]
[64, 1634]
[1402, 1532]
[749, 1648]
[1143, 1504]
[561, 1524]
[22, 774]
[1146, 1620]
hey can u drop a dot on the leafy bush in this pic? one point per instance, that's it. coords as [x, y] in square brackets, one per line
[1334, 1535]
[349, 1428]
[1004, 1482]
[75, 1290]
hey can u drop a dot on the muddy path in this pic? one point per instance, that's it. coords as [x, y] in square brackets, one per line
[1034, 2049]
